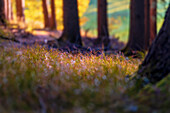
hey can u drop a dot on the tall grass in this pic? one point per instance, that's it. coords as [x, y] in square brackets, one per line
[34, 79]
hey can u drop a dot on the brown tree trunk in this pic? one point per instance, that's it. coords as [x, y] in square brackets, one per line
[137, 28]
[156, 65]
[5, 8]
[46, 15]
[20, 4]
[153, 25]
[53, 15]
[103, 34]
[71, 31]
[8, 10]
[150, 22]
[2, 13]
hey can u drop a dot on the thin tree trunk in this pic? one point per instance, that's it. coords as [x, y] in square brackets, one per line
[103, 34]
[71, 31]
[153, 25]
[46, 15]
[147, 24]
[20, 4]
[8, 8]
[2, 13]
[150, 22]
[53, 15]
[156, 65]
[5, 8]
[12, 13]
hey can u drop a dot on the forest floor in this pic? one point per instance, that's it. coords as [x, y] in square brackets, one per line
[35, 79]
[43, 36]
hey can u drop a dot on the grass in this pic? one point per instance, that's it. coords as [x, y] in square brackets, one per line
[33, 80]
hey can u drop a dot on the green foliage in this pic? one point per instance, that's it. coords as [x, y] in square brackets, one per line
[155, 97]
[5, 34]
[2, 33]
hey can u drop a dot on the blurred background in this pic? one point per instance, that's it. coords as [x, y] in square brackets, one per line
[118, 12]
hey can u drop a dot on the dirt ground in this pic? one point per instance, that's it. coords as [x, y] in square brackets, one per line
[18, 38]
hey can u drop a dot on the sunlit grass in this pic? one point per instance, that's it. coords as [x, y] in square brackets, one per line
[31, 77]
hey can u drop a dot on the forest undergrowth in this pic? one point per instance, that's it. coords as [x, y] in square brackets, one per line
[33, 79]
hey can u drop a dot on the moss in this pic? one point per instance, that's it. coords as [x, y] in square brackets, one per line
[155, 97]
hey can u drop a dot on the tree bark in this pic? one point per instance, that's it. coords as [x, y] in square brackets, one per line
[150, 22]
[142, 25]
[46, 15]
[137, 28]
[20, 4]
[2, 13]
[156, 65]
[53, 15]
[153, 25]
[103, 34]
[71, 32]
[8, 10]
[147, 24]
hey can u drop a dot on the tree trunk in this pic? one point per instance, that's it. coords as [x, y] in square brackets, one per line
[153, 25]
[10, 13]
[20, 4]
[103, 34]
[147, 23]
[137, 29]
[46, 15]
[71, 31]
[156, 65]
[150, 22]
[53, 15]
[2, 13]
[5, 8]
[8, 10]
[142, 25]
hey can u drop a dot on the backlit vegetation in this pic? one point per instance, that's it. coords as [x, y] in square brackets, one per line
[37, 80]
[34, 13]
[69, 81]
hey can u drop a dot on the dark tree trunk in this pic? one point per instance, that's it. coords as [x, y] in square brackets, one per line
[103, 34]
[156, 65]
[5, 8]
[71, 31]
[137, 28]
[53, 18]
[20, 4]
[142, 25]
[46, 15]
[147, 23]
[2, 13]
